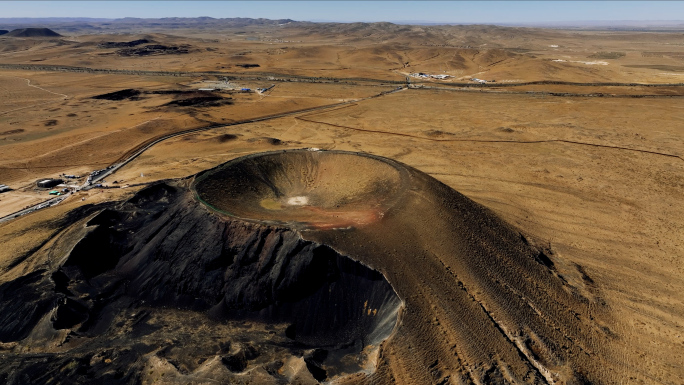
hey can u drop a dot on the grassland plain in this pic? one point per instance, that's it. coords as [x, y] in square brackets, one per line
[592, 168]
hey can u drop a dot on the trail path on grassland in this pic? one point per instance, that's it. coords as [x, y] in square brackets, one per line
[28, 83]
[303, 118]
[97, 136]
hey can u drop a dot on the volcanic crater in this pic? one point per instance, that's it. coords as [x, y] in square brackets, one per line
[298, 266]
[304, 189]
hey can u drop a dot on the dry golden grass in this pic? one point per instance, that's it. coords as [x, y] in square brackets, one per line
[599, 179]
[612, 210]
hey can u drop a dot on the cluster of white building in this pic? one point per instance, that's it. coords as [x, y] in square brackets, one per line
[429, 76]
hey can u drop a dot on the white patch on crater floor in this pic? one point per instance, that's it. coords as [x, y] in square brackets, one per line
[298, 201]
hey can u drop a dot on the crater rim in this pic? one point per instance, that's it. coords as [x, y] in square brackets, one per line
[392, 175]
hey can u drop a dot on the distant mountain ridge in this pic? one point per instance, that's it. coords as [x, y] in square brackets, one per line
[264, 21]
[163, 20]
[83, 25]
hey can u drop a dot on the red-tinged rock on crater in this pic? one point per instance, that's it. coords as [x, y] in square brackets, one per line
[304, 189]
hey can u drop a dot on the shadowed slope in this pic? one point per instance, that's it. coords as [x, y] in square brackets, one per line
[123, 281]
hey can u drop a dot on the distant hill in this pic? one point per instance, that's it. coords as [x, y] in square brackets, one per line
[33, 32]
[3, 31]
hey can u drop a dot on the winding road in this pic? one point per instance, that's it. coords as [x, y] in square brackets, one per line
[274, 77]
[118, 165]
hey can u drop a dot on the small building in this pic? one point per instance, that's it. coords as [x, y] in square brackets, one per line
[47, 183]
[262, 90]
[4, 188]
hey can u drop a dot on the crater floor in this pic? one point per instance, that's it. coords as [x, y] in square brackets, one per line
[304, 189]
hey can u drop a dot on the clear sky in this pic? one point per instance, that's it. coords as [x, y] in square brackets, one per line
[347, 11]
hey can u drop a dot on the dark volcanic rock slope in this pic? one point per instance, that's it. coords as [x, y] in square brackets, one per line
[159, 285]
[302, 278]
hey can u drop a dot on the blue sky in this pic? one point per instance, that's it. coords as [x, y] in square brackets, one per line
[347, 11]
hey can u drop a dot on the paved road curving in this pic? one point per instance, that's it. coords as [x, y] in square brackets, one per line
[116, 166]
